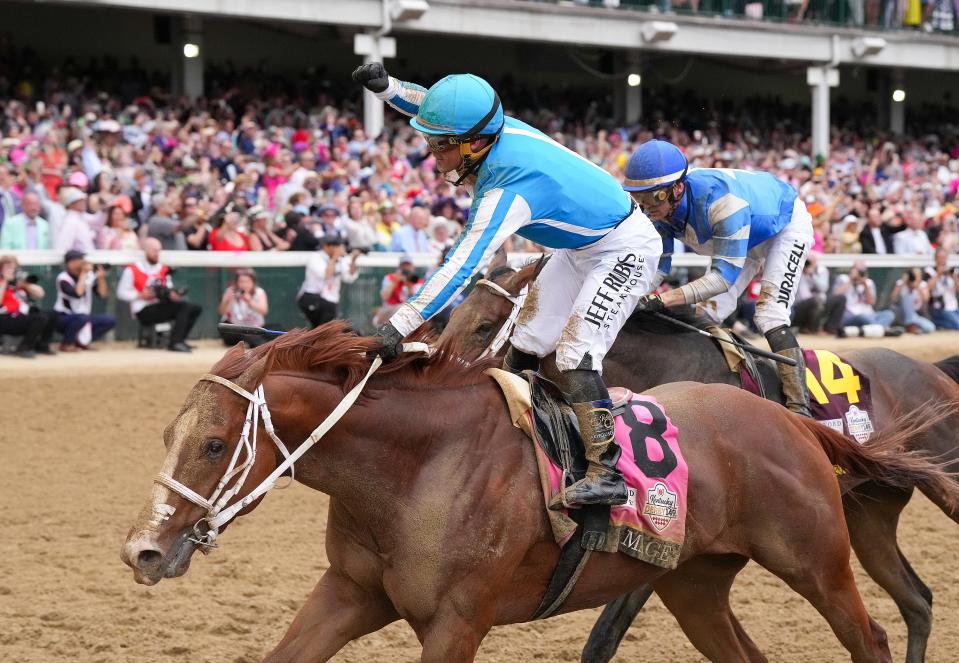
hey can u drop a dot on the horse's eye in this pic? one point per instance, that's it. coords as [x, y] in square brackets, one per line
[214, 447]
[484, 327]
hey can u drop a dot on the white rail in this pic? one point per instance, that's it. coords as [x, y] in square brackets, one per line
[228, 259]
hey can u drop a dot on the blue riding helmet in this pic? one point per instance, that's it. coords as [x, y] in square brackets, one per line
[655, 164]
[460, 105]
[651, 172]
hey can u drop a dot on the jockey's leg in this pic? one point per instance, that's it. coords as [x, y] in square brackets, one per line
[615, 272]
[785, 258]
[548, 306]
[783, 342]
[516, 361]
[603, 483]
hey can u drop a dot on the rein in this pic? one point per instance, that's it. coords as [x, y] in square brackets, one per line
[218, 513]
[507, 329]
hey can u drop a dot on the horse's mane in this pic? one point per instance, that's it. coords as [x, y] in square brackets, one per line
[334, 348]
[652, 324]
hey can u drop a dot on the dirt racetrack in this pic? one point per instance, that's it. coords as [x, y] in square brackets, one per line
[81, 438]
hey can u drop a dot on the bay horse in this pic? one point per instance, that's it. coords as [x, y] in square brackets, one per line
[437, 515]
[650, 351]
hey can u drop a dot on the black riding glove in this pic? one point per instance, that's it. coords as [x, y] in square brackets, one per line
[372, 76]
[391, 342]
[650, 304]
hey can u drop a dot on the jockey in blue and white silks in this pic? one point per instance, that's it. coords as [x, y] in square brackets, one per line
[523, 182]
[749, 222]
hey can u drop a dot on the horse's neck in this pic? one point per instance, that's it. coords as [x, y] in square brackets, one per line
[388, 448]
[642, 360]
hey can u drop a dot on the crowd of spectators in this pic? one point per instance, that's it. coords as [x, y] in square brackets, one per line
[264, 167]
[925, 15]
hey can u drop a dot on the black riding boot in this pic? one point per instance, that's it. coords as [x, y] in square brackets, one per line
[603, 483]
[517, 361]
[783, 342]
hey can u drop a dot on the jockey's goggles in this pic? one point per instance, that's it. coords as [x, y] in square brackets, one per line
[652, 198]
[442, 143]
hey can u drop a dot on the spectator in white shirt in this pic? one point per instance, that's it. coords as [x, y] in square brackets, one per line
[910, 296]
[944, 292]
[78, 229]
[306, 168]
[76, 285]
[913, 240]
[360, 230]
[244, 303]
[860, 293]
[326, 272]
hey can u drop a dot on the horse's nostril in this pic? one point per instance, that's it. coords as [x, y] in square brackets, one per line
[149, 559]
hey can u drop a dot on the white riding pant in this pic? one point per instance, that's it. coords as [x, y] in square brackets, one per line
[780, 259]
[583, 297]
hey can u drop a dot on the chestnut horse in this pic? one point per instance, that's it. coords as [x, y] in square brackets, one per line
[650, 351]
[436, 511]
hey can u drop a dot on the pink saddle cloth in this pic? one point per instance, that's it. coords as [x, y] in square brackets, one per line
[651, 526]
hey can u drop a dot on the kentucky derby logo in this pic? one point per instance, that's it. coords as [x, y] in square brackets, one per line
[660, 506]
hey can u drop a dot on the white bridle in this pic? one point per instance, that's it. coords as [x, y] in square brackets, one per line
[504, 333]
[217, 511]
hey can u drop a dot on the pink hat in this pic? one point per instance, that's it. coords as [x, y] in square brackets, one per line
[78, 179]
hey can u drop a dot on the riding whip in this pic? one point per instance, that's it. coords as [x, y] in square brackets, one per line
[247, 330]
[746, 348]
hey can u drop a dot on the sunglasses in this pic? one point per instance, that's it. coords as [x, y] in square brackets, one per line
[651, 198]
[441, 143]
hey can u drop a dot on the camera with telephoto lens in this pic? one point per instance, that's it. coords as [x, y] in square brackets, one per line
[162, 292]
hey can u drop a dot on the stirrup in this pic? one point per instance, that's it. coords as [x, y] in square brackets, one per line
[555, 505]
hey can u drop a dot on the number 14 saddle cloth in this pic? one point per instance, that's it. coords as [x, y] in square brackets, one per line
[839, 394]
[651, 525]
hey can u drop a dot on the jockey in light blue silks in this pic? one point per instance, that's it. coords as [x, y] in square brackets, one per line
[523, 182]
[750, 223]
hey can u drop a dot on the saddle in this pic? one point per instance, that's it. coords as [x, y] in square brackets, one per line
[759, 378]
[650, 526]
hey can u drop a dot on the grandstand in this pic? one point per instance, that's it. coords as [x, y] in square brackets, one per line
[743, 77]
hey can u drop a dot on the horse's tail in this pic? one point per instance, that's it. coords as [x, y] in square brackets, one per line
[884, 459]
[950, 367]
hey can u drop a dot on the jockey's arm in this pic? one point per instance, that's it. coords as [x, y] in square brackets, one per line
[730, 245]
[404, 97]
[493, 218]
[666, 259]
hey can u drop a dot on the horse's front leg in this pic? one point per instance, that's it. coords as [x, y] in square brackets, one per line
[337, 612]
[455, 634]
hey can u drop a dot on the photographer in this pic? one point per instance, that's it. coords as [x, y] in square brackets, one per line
[75, 287]
[943, 287]
[18, 317]
[148, 286]
[911, 294]
[326, 271]
[396, 289]
[244, 303]
[858, 315]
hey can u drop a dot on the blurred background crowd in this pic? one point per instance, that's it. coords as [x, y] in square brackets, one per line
[103, 157]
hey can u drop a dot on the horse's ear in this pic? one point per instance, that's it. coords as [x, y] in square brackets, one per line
[543, 259]
[499, 259]
[251, 378]
[526, 274]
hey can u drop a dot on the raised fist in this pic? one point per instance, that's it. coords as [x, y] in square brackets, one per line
[372, 76]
